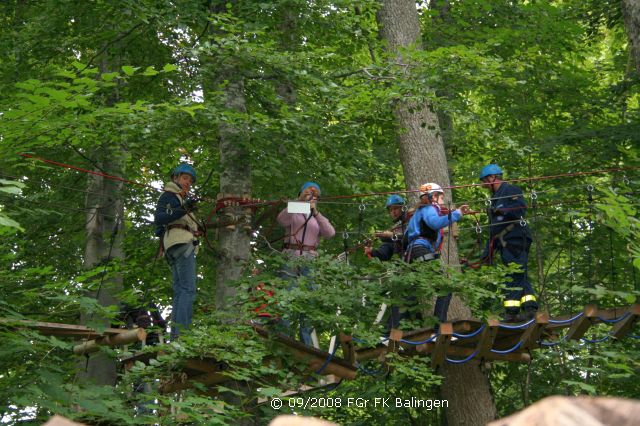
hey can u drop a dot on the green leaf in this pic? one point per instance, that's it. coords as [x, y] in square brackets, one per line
[129, 70]
[169, 68]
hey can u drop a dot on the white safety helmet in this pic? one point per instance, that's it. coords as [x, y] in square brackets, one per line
[429, 189]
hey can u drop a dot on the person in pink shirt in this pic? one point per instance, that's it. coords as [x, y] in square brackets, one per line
[303, 233]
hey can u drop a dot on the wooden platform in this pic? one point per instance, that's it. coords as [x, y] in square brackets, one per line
[57, 329]
[455, 342]
[210, 371]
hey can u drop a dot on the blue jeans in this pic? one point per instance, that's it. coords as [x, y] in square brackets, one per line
[291, 274]
[182, 260]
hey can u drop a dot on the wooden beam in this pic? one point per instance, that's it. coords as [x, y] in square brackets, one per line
[130, 336]
[180, 383]
[442, 344]
[582, 324]
[487, 338]
[348, 350]
[623, 327]
[58, 329]
[532, 334]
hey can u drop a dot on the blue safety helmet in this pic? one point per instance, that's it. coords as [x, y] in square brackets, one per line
[490, 169]
[185, 168]
[308, 184]
[395, 200]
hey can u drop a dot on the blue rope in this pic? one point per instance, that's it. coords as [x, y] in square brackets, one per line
[633, 336]
[596, 340]
[474, 334]
[570, 320]
[429, 340]
[517, 327]
[462, 361]
[548, 344]
[615, 320]
[328, 360]
[369, 372]
[508, 351]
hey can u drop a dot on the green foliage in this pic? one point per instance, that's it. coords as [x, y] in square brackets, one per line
[542, 88]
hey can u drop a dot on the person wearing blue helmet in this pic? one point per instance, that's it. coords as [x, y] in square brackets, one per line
[303, 234]
[179, 230]
[509, 235]
[391, 240]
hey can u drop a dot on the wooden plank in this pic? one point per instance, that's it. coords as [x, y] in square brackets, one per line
[133, 335]
[179, 382]
[58, 329]
[623, 327]
[348, 349]
[487, 338]
[532, 334]
[582, 324]
[442, 344]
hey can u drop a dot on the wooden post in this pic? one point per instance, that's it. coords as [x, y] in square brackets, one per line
[581, 325]
[130, 336]
[622, 328]
[442, 345]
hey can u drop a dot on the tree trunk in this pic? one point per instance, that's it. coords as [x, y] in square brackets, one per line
[104, 213]
[423, 159]
[631, 15]
[235, 179]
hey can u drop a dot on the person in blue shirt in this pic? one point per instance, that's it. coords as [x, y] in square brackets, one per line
[425, 233]
[509, 235]
[179, 230]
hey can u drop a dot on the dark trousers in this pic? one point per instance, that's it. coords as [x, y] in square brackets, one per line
[518, 286]
[442, 302]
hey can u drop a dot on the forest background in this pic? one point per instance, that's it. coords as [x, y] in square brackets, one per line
[263, 95]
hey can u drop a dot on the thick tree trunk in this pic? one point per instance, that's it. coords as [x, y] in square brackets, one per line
[104, 213]
[631, 15]
[235, 179]
[423, 159]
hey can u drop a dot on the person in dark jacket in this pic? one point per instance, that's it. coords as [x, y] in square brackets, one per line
[179, 230]
[509, 235]
[391, 240]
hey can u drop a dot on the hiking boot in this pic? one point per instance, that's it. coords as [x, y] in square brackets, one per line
[529, 313]
[511, 316]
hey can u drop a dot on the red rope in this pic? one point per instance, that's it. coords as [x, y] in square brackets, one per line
[68, 166]
[253, 203]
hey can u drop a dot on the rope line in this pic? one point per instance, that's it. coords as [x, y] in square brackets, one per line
[517, 327]
[567, 321]
[462, 361]
[507, 351]
[614, 320]
[429, 340]
[467, 336]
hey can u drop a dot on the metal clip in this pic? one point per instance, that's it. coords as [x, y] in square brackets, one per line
[534, 195]
[523, 221]
[478, 228]
[590, 188]
[395, 237]
[169, 209]
[362, 207]
[405, 208]
[345, 235]
[487, 202]
[625, 180]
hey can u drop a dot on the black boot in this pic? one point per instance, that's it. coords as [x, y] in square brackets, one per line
[529, 312]
[510, 315]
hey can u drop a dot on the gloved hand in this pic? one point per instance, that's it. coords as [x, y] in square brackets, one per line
[190, 204]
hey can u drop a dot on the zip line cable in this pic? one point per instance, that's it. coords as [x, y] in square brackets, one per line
[335, 197]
